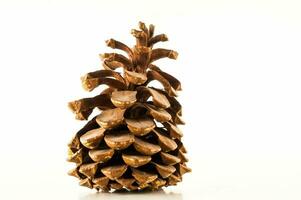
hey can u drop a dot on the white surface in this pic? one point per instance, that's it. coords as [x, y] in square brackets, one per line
[239, 62]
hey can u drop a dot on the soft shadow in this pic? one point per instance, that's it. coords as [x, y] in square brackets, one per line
[124, 195]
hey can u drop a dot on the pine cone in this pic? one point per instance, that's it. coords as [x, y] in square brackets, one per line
[134, 143]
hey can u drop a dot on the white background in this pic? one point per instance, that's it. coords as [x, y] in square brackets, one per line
[239, 63]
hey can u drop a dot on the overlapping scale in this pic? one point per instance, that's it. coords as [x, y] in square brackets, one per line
[119, 140]
[146, 148]
[164, 170]
[92, 138]
[123, 99]
[184, 169]
[135, 160]
[143, 177]
[110, 118]
[158, 183]
[114, 172]
[159, 99]
[166, 143]
[173, 179]
[158, 114]
[140, 127]
[169, 159]
[86, 183]
[126, 182]
[101, 182]
[101, 155]
[135, 78]
[74, 172]
[76, 157]
[174, 131]
[182, 156]
[88, 170]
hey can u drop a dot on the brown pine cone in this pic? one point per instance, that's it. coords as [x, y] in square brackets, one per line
[134, 143]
